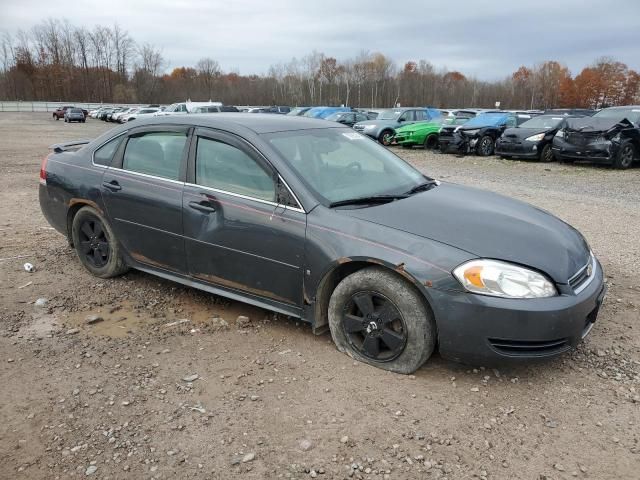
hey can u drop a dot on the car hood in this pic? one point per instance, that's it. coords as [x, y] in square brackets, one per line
[522, 133]
[418, 127]
[487, 225]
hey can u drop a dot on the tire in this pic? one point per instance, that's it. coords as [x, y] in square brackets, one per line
[83, 121]
[385, 137]
[485, 146]
[625, 156]
[404, 337]
[56, 117]
[431, 142]
[546, 155]
[96, 245]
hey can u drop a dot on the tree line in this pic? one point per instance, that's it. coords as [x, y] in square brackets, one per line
[57, 61]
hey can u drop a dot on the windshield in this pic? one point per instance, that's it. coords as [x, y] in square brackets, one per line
[487, 120]
[542, 121]
[631, 114]
[339, 164]
[389, 114]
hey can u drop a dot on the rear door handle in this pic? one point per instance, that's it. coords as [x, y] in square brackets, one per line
[113, 185]
[204, 207]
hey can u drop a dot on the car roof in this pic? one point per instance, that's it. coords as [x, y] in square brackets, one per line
[239, 122]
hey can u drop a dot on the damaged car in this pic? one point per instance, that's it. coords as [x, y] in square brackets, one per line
[479, 134]
[531, 140]
[611, 136]
[384, 125]
[315, 221]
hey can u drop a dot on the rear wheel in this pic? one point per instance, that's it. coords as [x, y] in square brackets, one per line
[385, 138]
[378, 318]
[485, 146]
[546, 155]
[96, 245]
[626, 155]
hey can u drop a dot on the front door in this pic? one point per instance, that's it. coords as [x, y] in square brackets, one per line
[142, 192]
[240, 234]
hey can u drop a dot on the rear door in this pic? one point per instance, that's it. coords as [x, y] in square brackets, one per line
[244, 230]
[142, 192]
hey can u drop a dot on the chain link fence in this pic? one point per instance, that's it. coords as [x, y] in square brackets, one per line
[51, 106]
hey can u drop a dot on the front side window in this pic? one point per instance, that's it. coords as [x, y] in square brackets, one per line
[227, 168]
[155, 153]
[104, 154]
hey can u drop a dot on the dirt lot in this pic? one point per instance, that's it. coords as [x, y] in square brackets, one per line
[272, 400]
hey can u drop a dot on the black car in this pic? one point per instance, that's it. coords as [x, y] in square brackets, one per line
[479, 134]
[347, 118]
[532, 139]
[316, 221]
[610, 136]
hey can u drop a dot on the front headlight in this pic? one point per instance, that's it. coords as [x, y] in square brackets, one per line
[535, 138]
[471, 132]
[502, 279]
[369, 127]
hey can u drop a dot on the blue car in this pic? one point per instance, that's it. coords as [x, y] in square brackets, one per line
[324, 112]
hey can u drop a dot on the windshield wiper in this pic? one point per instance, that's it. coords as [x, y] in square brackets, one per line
[424, 186]
[367, 200]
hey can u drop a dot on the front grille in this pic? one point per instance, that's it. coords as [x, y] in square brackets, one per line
[511, 147]
[529, 348]
[582, 278]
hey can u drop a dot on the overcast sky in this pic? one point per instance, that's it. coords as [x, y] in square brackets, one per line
[485, 38]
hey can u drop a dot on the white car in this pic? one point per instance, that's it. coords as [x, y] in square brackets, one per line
[118, 115]
[186, 107]
[141, 113]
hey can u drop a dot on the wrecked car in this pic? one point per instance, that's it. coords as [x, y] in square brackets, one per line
[611, 136]
[479, 134]
[532, 139]
[313, 220]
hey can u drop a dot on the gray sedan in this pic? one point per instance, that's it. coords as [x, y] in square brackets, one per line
[313, 220]
[74, 115]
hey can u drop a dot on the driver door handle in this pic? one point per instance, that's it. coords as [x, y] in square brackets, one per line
[113, 185]
[204, 206]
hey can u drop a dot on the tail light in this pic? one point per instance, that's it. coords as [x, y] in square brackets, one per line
[43, 171]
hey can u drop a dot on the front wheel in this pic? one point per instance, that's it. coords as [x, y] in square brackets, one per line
[485, 146]
[386, 137]
[546, 155]
[431, 142]
[96, 245]
[626, 155]
[378, 318]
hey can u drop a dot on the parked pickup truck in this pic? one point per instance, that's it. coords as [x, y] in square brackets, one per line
[60, 111]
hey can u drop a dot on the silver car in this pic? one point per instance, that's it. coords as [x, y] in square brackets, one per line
[74, 115]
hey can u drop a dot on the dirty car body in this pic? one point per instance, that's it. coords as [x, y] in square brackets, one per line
[281, 212]
[611, 136]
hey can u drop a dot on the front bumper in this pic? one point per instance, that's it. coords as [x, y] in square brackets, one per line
[491, 331]
[518, 149]
[596, 151]
[451, 142]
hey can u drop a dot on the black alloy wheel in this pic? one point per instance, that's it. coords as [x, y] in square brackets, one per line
[94, 243]
[374, 326]
[625, 156]
[485, 146]
[547, 154]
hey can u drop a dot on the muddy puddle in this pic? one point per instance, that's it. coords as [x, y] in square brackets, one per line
[124, 319]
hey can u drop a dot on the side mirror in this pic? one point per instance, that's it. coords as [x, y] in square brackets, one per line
[400, 120]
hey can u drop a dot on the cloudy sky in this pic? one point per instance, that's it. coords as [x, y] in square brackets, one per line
[485, 38]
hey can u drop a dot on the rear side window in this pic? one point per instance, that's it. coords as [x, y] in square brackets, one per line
[224, 167]
[155, 153]
[104, 154]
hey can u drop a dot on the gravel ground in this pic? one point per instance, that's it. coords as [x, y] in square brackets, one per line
[175, 383]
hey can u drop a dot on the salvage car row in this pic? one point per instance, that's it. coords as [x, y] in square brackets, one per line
[610, 136]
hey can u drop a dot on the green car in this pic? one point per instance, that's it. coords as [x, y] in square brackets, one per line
[424, 134]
